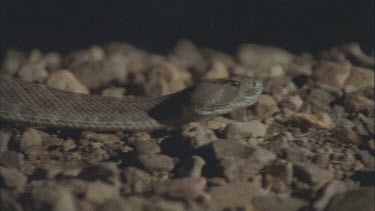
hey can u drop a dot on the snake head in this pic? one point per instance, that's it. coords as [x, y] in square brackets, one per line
[220, 96]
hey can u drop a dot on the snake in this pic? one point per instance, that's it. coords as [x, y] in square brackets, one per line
[34, 104]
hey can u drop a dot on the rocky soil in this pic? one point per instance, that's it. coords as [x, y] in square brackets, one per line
[308, 144]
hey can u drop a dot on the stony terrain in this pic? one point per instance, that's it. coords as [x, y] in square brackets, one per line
[308, 144]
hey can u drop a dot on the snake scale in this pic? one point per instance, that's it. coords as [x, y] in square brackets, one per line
[34, 104]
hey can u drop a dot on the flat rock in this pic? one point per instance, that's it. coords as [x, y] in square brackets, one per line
[281, 203]
[181, 188]
[235, 194]
[245, 129]
[297, 154]
[118, 92]
[305, 120]
[312, 174]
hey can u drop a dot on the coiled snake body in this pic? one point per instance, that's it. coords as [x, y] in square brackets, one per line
[38, 105]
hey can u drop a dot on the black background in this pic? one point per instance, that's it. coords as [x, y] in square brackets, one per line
[297, 25]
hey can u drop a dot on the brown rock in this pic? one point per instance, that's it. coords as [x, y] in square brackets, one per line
[312, 174]
[301, 65]
[197, 135]
[320, 99]
[8, 201]
[332, 74]
[293, 103]
[164, 79]
[217, 123]
[136, 180]
[65, 80]
[359, 199]
[245, 129]
[191, 167]
[99, 192]
[5, 137]
[12, 159]
[181, 188]
[104, 71]
[280, 203]
[333, 188]
[218, 70]
[156, 162]
[146, 147]
[52, 196]
[104, 171]
[266, 106]
[29, 138]
[281, 169]
[297, 154]
[114, 92]
[93, 53]
[13, 60]
[185, 54]
[356, 54]
[358, 103]
[12, 178]
[33, 72]
[264, 59]
[366, 158]
[346, 134]
[320, 120]
[360, 78]
[239, 161]
[235, 194]
[101, 137]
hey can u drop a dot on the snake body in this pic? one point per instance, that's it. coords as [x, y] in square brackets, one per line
[38, 105]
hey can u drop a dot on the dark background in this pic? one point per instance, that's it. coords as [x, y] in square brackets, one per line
[297, 25]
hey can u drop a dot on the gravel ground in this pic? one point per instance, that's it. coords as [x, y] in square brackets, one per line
[308, 144]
